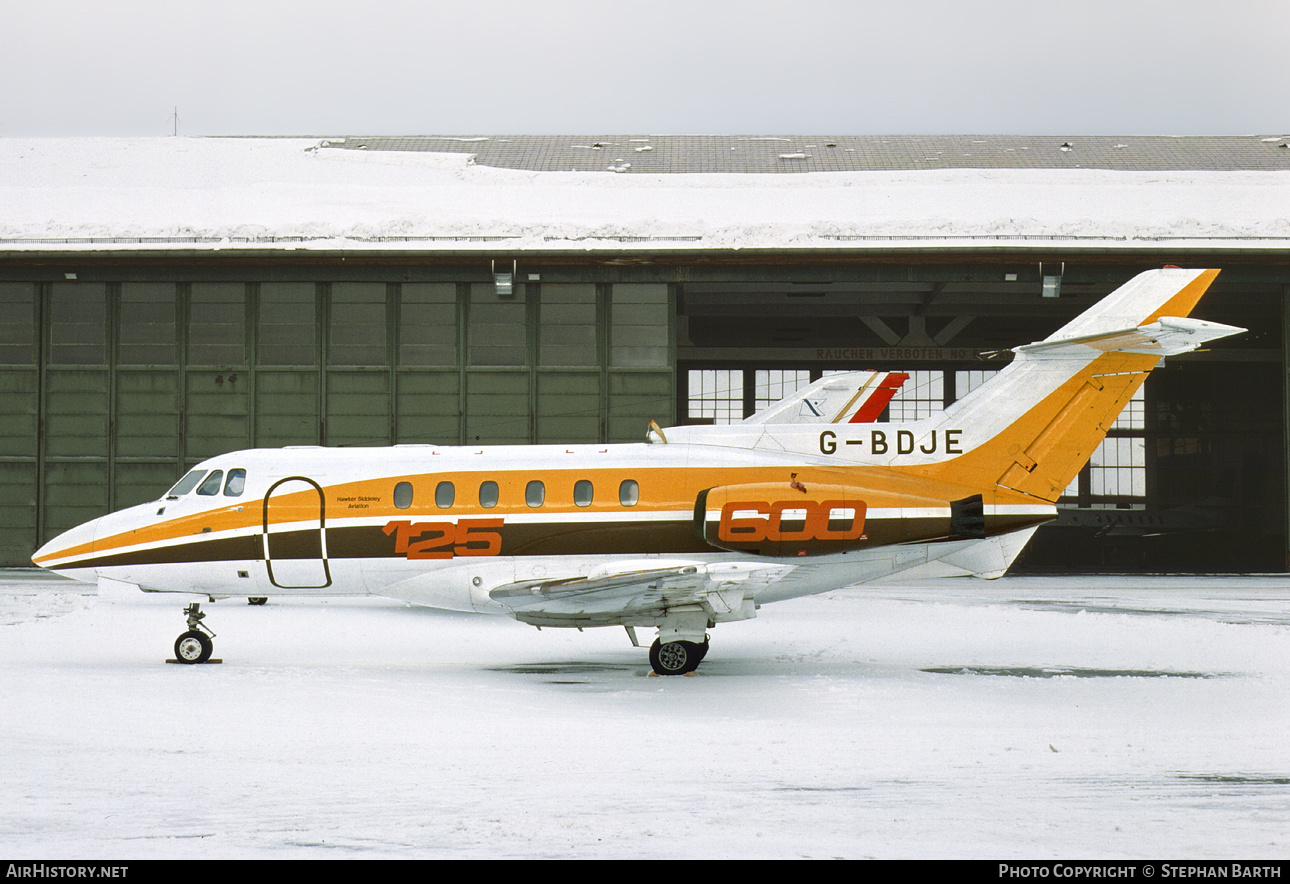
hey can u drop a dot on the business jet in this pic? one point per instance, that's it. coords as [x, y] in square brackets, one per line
[695, 526]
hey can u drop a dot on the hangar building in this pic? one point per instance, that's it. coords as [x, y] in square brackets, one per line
[164, 300]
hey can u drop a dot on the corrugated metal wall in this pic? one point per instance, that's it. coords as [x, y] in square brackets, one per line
[110, 390]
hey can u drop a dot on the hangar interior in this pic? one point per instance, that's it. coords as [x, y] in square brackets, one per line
[121, 367]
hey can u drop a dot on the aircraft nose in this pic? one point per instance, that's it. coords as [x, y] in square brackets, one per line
[65, 552]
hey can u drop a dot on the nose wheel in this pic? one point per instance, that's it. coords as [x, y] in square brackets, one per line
[195, 645]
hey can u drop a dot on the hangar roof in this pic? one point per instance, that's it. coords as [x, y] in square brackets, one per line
[847, 153]
[572, 195]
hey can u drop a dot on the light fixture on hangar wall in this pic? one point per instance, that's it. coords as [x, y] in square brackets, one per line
[504, 281]
[1052, 283]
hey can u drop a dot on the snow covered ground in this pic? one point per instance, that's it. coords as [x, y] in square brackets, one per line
[237, 193]
[1023, 718]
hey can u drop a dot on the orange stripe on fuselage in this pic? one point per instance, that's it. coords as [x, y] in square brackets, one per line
[661, 489]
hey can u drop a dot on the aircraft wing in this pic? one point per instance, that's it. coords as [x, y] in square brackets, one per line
[640, 596]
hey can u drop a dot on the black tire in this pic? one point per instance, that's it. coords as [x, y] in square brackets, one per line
[193, 647]
[257, 600]
[674, 658]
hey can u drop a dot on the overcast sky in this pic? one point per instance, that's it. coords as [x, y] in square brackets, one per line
[326, 67]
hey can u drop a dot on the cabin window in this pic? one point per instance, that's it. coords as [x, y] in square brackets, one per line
[186, 484]
[629, 493]
[444, 495]
[535, 493]
[236, 483]
[488, 494]
[403, 495]
[583, 492]
[212, 484]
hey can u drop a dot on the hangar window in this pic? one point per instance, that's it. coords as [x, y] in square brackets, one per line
[445, 493]
[583, 492]
[923, 395]
[488, 495]
[727, 396]
[535, 493]
[1119, 468]
[212, 484]
[716, 396]
[629, 493]
[1116, 475]
[967, 381]
[236, 483]
[403, 495]
[1134, 416]
[772, 385]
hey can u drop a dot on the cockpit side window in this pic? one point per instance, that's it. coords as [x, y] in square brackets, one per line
[212, 483]
[236, 483]
[186, 484]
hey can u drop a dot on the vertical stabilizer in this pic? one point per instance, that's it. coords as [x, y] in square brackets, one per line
[1040, 419]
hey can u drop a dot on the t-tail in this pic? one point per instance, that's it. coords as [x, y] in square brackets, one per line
[1041, 418]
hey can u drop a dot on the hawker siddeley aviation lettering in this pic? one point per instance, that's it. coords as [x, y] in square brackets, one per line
[695, 526]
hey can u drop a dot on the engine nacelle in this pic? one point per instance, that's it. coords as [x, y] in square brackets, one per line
[787, 519]
[777, 519]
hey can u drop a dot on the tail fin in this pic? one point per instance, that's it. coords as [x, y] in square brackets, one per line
[854, 397]
[1042, 417]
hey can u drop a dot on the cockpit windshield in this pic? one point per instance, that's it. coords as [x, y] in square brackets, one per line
[186, 484]
[209, 483]
[212, 483]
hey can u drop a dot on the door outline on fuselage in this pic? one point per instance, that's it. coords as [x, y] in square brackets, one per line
[297, 581]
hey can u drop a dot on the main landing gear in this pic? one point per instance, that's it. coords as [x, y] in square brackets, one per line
[677, 657]
[195, 645]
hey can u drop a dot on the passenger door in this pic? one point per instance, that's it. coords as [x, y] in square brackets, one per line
[295, 535]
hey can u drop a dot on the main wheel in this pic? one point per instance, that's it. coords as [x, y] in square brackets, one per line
[193, 647]
[257, 600]
[674, 658]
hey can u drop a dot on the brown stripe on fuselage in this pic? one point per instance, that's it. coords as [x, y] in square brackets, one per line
[219, 549]
[661, 488]
[556, 538]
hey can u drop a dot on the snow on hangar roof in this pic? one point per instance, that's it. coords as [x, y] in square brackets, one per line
[672, 193]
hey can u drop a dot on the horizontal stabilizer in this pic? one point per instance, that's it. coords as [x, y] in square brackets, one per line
[1167, 336]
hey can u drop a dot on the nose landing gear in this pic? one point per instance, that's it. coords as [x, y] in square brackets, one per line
[195, 645]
